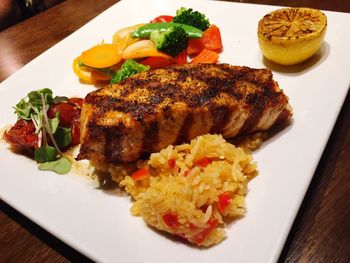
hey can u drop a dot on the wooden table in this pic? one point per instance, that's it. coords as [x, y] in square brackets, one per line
[321, 231]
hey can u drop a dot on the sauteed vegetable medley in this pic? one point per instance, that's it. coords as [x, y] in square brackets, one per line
[187, 37]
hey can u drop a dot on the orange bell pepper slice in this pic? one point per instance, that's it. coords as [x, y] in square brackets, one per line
[102, 56]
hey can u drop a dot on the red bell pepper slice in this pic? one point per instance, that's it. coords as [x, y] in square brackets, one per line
[157, 62]
[206, 56]
[99, 76]
[160, 62]
[211, 40]
[162, 18]
[181, 58]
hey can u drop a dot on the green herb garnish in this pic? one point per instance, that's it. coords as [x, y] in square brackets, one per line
[63, 136]
[34, 107]
[45, 154]
[60, 166]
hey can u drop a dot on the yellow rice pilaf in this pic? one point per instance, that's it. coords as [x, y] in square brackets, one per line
[189, 190]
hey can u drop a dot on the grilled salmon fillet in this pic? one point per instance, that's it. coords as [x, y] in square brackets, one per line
[153, 109]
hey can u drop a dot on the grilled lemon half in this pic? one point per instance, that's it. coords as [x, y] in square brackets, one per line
[289, 36]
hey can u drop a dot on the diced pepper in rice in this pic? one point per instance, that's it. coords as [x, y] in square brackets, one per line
[190, 189]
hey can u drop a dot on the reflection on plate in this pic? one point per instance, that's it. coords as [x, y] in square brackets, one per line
[100, 226]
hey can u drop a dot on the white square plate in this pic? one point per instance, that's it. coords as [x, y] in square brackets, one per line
[100, 225]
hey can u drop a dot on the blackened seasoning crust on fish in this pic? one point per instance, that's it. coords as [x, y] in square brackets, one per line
[156, 108]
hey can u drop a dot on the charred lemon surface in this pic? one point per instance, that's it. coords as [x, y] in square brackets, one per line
[289, 36]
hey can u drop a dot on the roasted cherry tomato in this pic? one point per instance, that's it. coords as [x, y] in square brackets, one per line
[67, 113]
[69, 116]
[22, 135]
[77, 101]
[75, 131]
[162, 18]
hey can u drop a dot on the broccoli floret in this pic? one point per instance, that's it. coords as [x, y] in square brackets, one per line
[129, 68]
[193, 18]
[172, 41]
